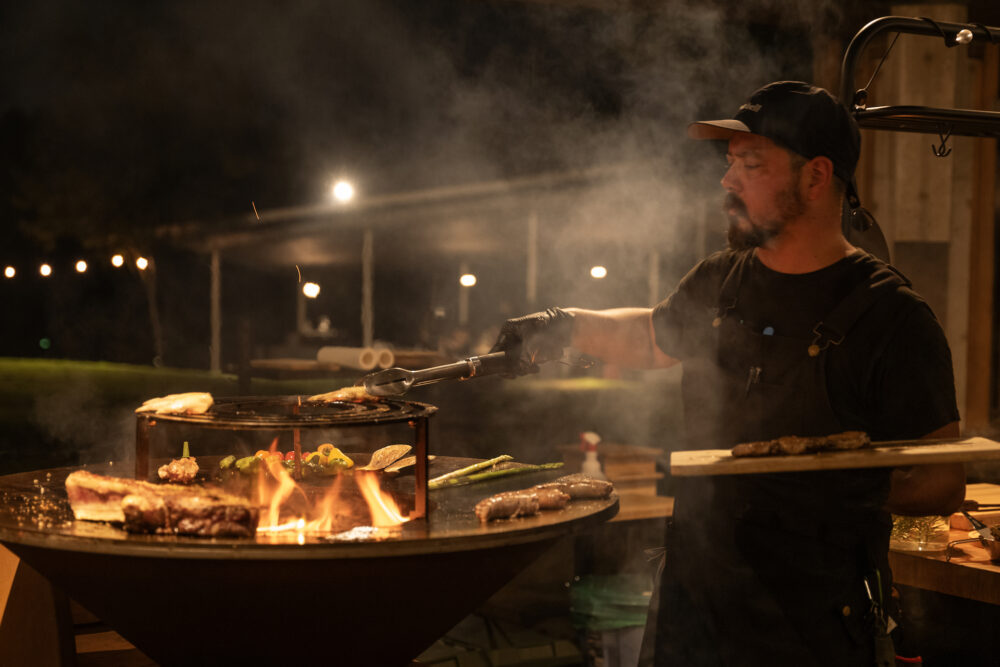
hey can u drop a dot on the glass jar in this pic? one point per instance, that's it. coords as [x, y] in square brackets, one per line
[919, 533]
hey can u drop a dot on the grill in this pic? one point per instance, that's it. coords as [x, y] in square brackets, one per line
[343, 599]
[293, 414]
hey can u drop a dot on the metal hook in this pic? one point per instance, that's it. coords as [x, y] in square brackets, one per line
[940, 151]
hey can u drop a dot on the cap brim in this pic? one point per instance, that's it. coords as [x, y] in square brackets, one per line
[716, 129]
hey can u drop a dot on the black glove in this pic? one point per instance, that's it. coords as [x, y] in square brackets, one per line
[534, 339]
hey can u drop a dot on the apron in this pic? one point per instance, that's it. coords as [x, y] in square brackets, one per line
[770, 569]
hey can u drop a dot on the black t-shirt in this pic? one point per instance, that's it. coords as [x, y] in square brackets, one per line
[891, 376]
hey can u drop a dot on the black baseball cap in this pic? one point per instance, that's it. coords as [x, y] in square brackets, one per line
[806, 119]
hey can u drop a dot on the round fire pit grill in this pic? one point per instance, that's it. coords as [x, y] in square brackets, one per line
[294, 413]
[377, 599]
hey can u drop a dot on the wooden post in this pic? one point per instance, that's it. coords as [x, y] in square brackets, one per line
[982, 257]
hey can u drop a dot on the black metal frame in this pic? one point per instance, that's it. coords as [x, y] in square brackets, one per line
[294, 413]
[929, 120]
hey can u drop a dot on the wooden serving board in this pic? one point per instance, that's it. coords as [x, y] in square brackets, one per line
[899, 453]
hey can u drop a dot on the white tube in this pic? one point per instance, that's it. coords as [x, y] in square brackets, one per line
[363, 358]
[386, 358]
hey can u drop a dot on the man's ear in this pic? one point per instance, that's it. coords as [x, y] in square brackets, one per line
[817, 176]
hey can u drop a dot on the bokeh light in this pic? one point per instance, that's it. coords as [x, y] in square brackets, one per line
[598, 272]
[45, 270]
[9, 272]
[467, 280]
[343, 191]
[117, 261]
[311, 290]
[141, 263]
[81, 266]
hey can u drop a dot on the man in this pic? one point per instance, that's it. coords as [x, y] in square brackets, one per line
[791, 331]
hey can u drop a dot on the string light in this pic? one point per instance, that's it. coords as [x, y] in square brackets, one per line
[45, 270]
[117, 261]
[81, 266]
[598, 272]
[141, 263]
[311, 290]
[467, 280]
[9, 272]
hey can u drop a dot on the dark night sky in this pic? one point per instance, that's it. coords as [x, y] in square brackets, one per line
[137, 113]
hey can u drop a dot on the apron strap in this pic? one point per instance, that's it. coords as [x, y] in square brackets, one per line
[729, 292]
[832, 330]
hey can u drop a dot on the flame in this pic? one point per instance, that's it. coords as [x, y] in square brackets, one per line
[385, 511]
[275, 491]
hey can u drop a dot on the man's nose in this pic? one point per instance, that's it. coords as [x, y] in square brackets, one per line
[729, 180]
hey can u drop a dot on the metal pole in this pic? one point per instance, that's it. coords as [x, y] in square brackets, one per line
[367, 288]
[215, 350]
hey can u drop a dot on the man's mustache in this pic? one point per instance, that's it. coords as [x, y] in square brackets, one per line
[733, 205]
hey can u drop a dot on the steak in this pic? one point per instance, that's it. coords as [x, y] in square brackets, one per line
[160, 508]
[205, 514]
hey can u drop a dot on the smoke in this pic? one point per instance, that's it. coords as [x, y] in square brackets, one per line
[77, 415]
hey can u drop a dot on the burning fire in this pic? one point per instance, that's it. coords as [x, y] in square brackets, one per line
[277, 494]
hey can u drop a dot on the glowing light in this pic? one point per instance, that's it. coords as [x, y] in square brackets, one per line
[9, 272]
[141, 263]
[45, 343]
[117, 261]
[45, 270]
[598, 272]
[81, 266]
[467, 280]
[311, 290]
[343, 191]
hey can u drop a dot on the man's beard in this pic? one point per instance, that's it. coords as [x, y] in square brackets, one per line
[790, 206]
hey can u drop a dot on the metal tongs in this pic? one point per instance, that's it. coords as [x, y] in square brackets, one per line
[986, 538]
[397, 381]
[981, 528]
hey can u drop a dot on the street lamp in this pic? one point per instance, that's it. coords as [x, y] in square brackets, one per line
[343, 191]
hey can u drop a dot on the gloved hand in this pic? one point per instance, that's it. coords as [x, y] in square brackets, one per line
[534, 339]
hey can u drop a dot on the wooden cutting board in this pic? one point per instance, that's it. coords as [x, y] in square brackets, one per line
[901, 453]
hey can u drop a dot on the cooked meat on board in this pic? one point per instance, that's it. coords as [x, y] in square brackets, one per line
[549, 496]
[161, 508]
[793, 444]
